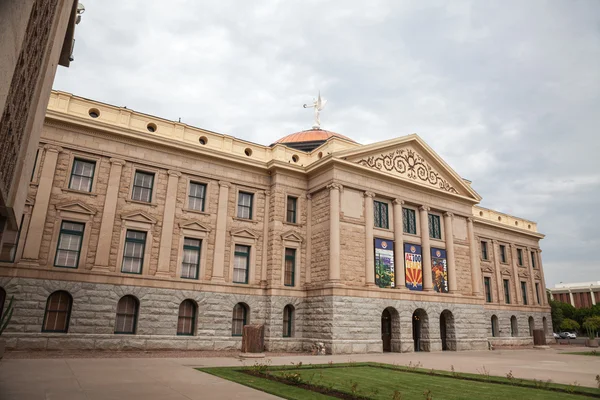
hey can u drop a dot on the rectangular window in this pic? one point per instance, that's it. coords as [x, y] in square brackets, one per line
[290, 267]
[133, 255]
[292, 203]
[142, 186]
[69, 244]
[409, 221]
[82, 175]
[10, 245]
[196, 196]
[524, 292]
[537, 292]
[506, 291]
[190, 265]
[241, 264]
[488, 289]
[520, 257]
[435, 230]
[484, 252]
[503, 253]
[380, 209]
[533, 259]
[37, 153]
[245, 205]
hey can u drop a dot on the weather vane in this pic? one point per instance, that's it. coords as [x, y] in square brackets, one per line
[318, 105]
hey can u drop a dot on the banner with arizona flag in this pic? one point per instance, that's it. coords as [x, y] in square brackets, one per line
[413, 266]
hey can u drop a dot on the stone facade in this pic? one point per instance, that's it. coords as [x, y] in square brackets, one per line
[330, 293]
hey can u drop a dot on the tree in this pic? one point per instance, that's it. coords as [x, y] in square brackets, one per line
[569, 325]
[592, 325]
[568, 310]
[557, 315]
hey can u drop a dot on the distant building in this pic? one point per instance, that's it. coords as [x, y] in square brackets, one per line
[579, 295]
[35, 37]
[145, 233]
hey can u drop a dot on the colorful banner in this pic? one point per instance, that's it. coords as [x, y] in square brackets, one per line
[384, 263]
[413, 265]
[439, 270]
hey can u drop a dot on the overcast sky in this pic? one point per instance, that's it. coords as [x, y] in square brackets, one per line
[507, 92]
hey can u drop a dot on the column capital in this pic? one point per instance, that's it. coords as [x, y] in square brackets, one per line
[448, 214]
[470, 219]
[398, 201]
[172, 172]
[267, 193]
[117, 161]
[369, 194]
[425, 208]
[335, 186]
[308, 196]
[224, 184]
[53, 148]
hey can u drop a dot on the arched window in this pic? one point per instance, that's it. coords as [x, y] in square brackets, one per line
[531, 326]
[127, 314]
[187, 318]
[58, 312]
[240, 318]
[545, 325]
[514, 329]
[2, 299]
[495, 332]
[288, 321]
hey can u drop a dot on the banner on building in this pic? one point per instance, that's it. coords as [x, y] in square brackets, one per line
[413, 266]
[384, 263]
[439, 270]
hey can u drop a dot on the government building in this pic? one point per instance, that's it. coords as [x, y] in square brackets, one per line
[140, 233]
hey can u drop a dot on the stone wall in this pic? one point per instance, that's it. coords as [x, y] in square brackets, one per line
[320, 237]
[522, 337]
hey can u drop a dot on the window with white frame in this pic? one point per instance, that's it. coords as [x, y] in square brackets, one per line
[245, 205]
[196, 196]
[143, 183]
[82, 175]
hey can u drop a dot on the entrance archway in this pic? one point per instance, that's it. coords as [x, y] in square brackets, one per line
[420, 325]
[531, 326]
[447, 333]
[386, 330]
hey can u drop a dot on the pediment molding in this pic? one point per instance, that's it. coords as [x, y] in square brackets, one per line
[76, 207]
[139, 216]
[506, 272]
[487, 269]
[292, 236]
[194, 226]
[245, 233]
[29, 201]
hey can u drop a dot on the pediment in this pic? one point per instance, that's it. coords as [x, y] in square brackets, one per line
[245, 233]
[194, 226]
[29, 201]
[506, 272]
[524, 274]
[411, 159]
[76, 207]
[487, 269]
[139, 216]
[291, 236]
[537, 275]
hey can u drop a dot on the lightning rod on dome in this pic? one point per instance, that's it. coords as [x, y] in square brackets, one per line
[318, 104]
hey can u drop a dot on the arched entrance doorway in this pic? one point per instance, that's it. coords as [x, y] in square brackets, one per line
[386, 330]
[420, 325]
[531, 326]
[447, 333]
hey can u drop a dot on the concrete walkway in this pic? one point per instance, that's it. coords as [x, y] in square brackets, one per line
[175, 379]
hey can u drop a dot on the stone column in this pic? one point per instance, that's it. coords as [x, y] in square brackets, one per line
[532, 279]
[498, 269]
[220, 234]
[474, 258]
[334, 232]
[449, 236]
[42, 200]
[426, 248]
[543, 280]
[516, 279]
[166, 234]
[263, 267]
[399, 273]
[109, 212]
[369, 249]
[307, 278]
[593, 297]
[571, 298]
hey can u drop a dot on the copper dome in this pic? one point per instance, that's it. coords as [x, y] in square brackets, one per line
[310, 139]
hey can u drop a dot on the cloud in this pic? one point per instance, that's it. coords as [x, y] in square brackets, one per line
[507, 92]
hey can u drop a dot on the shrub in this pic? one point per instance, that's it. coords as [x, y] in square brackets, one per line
[569, 325]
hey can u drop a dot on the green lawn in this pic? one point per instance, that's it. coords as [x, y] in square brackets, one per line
[586, 353]
[381, 381]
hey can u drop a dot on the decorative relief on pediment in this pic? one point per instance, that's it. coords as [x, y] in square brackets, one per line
[139, 216]
[487, 268]
[76, 207]
[291, 236]
[506, 272]
[245, 233]
[195, 226]
[408, 163]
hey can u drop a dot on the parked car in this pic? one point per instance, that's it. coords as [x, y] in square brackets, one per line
[556, 335]
[567, 335]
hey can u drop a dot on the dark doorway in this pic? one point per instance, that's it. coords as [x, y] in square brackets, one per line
[416, 325]
[443, 331]
[386, 330]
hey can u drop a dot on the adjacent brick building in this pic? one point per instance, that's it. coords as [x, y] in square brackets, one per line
[143, 233]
